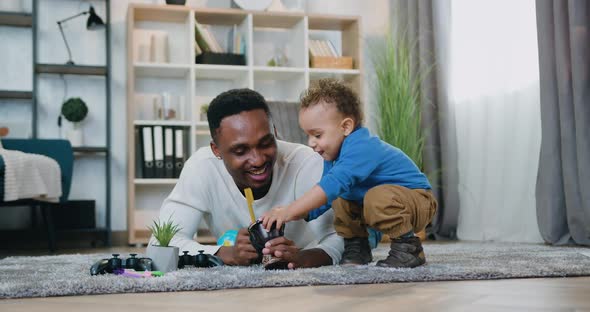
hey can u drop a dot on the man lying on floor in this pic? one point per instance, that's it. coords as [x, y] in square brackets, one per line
[244, 154]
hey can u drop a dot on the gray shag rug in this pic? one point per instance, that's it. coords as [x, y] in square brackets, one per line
[68, 275]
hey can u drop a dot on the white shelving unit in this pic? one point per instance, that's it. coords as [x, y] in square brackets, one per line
[265, 33]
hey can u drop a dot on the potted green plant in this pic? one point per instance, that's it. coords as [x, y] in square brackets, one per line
[164, 257]
[204, 109]
[75, 111]
[398, 97]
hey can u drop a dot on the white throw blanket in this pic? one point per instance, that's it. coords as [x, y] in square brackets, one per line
[30, 176]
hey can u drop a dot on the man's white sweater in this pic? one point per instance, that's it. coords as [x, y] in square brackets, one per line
[206, 191]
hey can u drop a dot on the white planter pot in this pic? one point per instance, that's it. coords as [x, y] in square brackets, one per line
[75, 136]
[164, 259]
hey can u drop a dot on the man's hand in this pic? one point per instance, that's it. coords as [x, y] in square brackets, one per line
[278, 214]
[241, 253]
[285, 249]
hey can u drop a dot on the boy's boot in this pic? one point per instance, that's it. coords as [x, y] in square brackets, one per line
[356, 251]
[404, 253]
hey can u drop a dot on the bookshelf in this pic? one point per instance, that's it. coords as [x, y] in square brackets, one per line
[266, 34]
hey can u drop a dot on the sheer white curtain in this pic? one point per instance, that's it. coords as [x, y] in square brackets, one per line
[493, 90]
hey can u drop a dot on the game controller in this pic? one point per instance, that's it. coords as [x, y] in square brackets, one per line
[258, 237]
[115, 263]
[200, 260]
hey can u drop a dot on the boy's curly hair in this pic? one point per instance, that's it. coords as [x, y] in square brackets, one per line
[332, 91]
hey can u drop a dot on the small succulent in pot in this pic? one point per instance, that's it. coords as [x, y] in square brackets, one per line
[165, 257]
[164, 231]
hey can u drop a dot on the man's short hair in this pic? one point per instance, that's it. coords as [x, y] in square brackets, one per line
[233, 102]
[332, 91]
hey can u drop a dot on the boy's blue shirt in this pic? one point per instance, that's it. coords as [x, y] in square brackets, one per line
[365, 161]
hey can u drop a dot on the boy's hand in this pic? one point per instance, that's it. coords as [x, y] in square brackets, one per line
[278, 214]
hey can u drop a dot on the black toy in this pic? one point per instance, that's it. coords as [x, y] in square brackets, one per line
[258, 237]
[201, 260]
[115, 263]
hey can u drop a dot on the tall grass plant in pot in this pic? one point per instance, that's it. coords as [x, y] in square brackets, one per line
[399, 96]
[164, 256]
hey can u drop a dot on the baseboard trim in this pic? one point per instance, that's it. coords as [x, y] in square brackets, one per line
[37, 239]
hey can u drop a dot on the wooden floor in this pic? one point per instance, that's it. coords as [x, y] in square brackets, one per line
[548, 294]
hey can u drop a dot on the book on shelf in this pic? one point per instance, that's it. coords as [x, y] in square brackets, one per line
[235, 41]
[332, 48]
[159, 47]
[322, 48]
[206, 40]
[198, 50]
[231, 39]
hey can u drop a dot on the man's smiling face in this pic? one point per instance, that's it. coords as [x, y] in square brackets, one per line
[248, 149]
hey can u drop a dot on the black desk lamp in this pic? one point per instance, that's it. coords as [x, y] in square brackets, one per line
[94, 22]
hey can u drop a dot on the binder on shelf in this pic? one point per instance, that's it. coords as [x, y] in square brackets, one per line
[158, 152]
[180, 150]
[138, 153]
[168, 152]
[147, 154]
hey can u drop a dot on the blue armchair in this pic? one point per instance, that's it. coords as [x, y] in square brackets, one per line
[61, 151]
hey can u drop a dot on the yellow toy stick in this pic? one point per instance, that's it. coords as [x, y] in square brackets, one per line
[250, 200]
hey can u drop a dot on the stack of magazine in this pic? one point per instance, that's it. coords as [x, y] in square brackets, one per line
[322, 48]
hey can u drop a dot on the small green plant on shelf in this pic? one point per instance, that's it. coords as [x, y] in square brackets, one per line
[204, 109]
[74, 110]
[164, 231]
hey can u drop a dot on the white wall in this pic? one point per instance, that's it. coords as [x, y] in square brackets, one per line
[498, 136]
[86, 49]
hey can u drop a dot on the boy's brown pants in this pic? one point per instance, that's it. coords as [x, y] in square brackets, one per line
[392, 209]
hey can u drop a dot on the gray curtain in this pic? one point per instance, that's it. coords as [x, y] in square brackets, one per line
[563, 181]
[424, 22]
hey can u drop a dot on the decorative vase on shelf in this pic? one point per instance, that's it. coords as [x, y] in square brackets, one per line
[76, 135]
